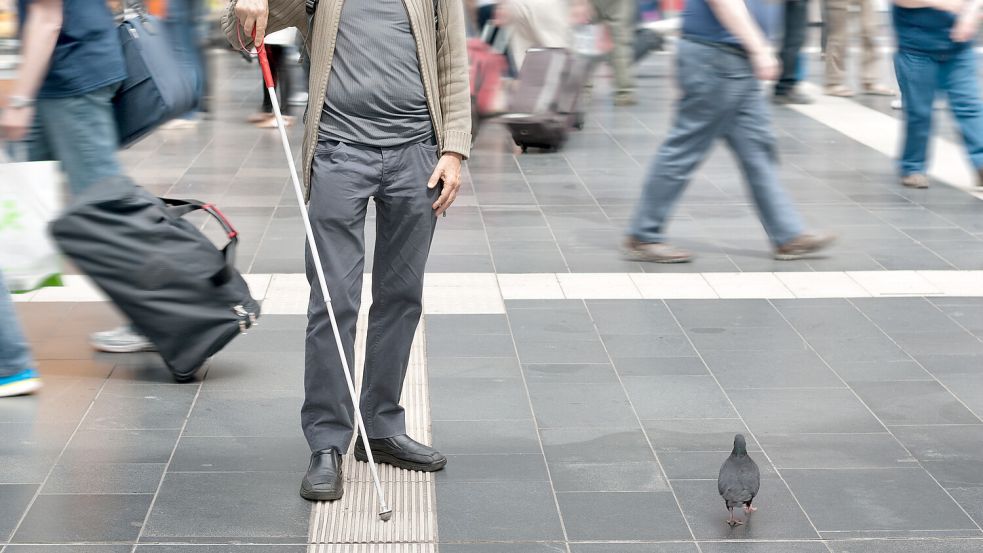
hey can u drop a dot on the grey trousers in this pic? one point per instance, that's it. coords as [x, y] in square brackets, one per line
[344, 177]
[721, 99]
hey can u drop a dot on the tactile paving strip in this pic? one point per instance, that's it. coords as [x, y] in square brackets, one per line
[352, 524]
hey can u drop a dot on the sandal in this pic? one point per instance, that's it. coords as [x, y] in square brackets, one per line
[840, 91]
[259, 117]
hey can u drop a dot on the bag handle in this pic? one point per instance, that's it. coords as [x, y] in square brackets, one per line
[180, 208]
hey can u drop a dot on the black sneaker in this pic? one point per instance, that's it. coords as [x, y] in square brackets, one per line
[792, 97]
[323, 481]
[403, 452]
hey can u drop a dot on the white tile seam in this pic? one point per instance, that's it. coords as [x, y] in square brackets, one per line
[486, 293]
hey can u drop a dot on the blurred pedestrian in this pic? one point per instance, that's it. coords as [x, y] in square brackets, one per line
[722, 55]
[837, 21]
[389, 82]
[277, 46]
[183, 19]
[935, 54]
[796, 24]
[17, 373]
[619, 16]
[71, 67]
[535, 24]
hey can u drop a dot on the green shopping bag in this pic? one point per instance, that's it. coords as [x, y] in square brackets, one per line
[30, 198]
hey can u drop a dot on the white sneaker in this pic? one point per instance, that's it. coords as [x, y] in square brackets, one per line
[124, 339]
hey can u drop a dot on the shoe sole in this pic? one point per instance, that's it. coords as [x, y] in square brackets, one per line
[21, 388]
[804, 255]
[312, 495]
[388, 459]
[123, 349]
[629, 256]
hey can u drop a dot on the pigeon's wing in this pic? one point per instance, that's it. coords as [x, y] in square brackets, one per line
[731, 483]
[750, 477]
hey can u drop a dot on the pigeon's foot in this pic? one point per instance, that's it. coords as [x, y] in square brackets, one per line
[734, 522]
[750, 509]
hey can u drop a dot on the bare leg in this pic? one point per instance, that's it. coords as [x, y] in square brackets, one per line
[733, 521]
[748, 508]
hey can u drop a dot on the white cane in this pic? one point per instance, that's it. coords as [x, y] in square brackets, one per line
[385, 513]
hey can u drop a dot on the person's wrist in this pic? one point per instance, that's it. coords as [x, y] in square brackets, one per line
[16, 101]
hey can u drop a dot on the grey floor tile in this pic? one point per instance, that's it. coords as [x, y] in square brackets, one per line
[84, 518]
[494, 468]
[632, 317]
[827, 451]
[14, 500]
[472, 345]
[155, 410]
[199, 505]
[568, 351]
[697, 434]
[955, 342]
[678, 397]
[595, 445]
[614, 476]
[953, 454]
[633, 548]
[669, 344]
[241, 454]
[899, 546]
[770, 369]
[778, 515]
[258, 370]
[520, 511]
[39, 446]
[486, 437]
[73, 548]
[880, 371]
[804, 411]
[914, 403]
[726, 313]
[270, 413]
[105, 478]
[558, 405]
[119, 446]
[764, 547]
[478, 399]
[503, 547]
[940, 364]
[968, 388]
[636, 516]
[766, 338]
[473, 367]
[203, 548]
[971, 499]
[875, 500]
[663, 366]
[548, 375]
[442, 325]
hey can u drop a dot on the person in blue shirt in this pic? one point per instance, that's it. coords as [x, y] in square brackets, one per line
[935, 55]
[62, 103]
[722, 55]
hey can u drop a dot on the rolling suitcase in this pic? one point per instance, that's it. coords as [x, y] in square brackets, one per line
[176, 287]
[545, 105]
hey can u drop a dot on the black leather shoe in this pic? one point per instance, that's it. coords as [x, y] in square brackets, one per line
[323, 481]
[403, 452]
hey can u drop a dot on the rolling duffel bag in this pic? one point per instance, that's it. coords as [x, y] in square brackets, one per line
[176, 287]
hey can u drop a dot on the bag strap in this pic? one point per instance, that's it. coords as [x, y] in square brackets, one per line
[180, 208]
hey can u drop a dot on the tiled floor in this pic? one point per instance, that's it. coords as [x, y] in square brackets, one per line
[585, 402]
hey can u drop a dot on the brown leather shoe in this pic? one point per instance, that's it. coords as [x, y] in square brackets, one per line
[804, 245]
[654, 252]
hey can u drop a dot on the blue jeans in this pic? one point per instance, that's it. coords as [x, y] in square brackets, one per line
[80, 132]
[183, 27]
[14, 355]
[721, 99]
[920, 77]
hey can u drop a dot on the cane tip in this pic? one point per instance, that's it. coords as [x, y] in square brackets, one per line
[386, 515]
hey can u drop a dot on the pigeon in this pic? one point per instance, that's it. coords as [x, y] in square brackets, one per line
[739, 480]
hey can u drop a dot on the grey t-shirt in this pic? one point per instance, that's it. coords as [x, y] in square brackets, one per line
[375, 93]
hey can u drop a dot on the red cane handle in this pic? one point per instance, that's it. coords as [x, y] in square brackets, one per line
[264, 62]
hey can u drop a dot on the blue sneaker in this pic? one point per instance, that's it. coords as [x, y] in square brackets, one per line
[22, 383]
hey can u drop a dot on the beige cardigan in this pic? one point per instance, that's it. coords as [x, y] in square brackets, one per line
[441, 49]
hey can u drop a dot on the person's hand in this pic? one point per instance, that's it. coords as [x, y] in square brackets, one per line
[14, 123]
[965, 28]
[581, 13]
[253, 15]
[766, 65]
[448, 170]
